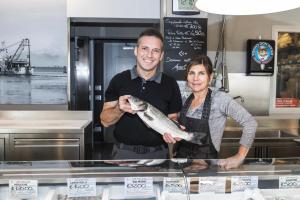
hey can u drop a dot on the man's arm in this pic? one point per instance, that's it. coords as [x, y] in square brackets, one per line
[113, 110]
[111, 113]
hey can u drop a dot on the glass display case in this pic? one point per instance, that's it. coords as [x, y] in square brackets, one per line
[256, 179]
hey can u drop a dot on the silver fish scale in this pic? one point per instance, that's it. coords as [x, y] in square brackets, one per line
[158, 121]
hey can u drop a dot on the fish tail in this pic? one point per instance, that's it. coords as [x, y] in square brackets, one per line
[190, 137]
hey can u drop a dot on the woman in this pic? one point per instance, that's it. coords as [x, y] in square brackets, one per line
[204, 113]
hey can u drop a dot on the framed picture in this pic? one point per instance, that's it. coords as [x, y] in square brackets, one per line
[285, 84]
[184, 7]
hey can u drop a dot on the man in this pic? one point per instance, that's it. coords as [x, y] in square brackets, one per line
[145, 81]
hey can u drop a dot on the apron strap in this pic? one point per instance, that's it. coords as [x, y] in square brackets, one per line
[185, 108]
[206, 106]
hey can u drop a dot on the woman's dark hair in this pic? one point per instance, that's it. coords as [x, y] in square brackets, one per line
[151, 32]
[200, 60]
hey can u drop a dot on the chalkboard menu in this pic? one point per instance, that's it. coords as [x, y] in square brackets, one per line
[184, 38]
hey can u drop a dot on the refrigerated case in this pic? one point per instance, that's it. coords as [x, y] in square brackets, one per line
[150, 179]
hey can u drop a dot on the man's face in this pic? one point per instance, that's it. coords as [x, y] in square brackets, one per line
[148, 53]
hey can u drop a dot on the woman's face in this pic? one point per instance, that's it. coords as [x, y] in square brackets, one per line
[198, 79]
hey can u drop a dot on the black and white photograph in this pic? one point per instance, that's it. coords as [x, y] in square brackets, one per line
[33, 52]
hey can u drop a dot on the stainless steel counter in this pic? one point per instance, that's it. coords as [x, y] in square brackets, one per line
[45, 135]
[289, 124]
[20, 126]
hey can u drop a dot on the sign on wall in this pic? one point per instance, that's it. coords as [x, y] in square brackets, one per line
[184, 38]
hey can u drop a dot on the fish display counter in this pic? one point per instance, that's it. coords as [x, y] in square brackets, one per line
[173, 179]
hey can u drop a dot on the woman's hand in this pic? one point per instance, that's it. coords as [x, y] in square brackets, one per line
[231, 162]
[236, 160]
[169, 139]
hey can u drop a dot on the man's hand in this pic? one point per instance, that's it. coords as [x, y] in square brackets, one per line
[123, 104]
[112, 111]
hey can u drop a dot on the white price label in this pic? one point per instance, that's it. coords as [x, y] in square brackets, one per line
[23, 189]
[241, 183]
[286, 182]
[175, 185]
[212, 184]
[138, 186]
[81, 187]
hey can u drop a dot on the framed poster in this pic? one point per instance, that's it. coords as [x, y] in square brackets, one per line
[184, 7]
[285, 84]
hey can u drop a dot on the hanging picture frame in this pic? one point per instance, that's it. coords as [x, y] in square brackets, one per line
[184, 7]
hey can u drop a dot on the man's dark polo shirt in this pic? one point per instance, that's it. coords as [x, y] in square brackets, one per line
[161, 91]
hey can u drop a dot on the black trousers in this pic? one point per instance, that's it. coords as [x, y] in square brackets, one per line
[123, 151]
[195, 151]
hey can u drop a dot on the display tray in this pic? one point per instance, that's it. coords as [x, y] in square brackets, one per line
[270, 179]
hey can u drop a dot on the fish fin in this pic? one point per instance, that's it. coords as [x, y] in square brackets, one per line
[148, 116]
[191, 136]
[143, 107]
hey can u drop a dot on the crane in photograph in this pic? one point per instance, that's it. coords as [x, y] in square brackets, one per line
[17, 62]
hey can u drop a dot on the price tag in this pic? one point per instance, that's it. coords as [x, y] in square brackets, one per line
[241, 183]
[175, 185]
[23, 189]
[138, 186]
[81, 187]
[212, 184]
[286, 182]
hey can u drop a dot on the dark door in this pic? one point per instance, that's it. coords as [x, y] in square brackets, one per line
[111, 57]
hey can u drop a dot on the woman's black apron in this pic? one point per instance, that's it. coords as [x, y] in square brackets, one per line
[206, 149]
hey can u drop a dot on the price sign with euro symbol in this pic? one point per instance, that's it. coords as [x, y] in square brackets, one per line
[81, 187]
[23, 189]
[286, 182]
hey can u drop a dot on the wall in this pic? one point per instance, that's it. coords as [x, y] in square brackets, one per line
[148, 9]
[238, 30]
[254, 89]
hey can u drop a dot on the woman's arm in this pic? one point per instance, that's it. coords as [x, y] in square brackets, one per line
[236, 160]
[249, 125]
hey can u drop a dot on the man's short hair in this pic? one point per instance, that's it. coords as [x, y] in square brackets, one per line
[151, 32]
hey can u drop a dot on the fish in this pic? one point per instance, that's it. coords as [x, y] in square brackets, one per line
[157, 120]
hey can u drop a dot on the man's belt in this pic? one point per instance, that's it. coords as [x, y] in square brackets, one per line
[140, 149]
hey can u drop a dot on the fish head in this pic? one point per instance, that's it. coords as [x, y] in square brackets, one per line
[137, 104]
